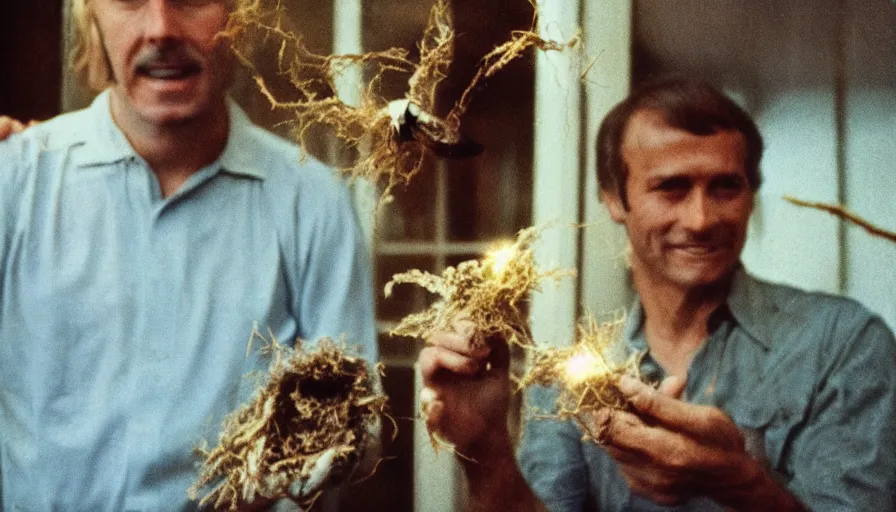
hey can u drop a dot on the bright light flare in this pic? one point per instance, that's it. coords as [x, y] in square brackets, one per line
[584, 366]
[499, 259]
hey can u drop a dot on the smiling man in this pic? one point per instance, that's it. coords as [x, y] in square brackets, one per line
[767, 397]
[140, 241]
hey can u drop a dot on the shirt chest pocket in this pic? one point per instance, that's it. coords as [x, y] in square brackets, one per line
[770, 419]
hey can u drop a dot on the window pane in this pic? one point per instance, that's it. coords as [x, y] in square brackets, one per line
[412, 213]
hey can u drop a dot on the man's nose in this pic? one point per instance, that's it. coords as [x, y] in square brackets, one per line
[700, 212]
[161, 20]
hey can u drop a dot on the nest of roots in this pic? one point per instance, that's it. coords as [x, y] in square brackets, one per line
[489, 292]
[310, 402]
[367, 126]
[587, 374]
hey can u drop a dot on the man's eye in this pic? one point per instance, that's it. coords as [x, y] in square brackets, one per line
[728, 185]
[672, 185]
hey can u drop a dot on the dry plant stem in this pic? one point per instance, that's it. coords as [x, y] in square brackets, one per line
[489, 293]
[368, 127]
[843, 213]
[311, 403]
[504, 54]
[586, 373]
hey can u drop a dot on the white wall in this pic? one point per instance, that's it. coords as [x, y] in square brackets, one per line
[820, 79]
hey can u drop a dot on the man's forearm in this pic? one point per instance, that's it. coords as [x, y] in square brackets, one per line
[760, 492]
[496, 484]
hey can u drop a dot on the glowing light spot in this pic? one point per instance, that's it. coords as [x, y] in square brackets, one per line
[583, 366]
[500, 258]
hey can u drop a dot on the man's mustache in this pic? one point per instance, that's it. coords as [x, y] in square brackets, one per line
[179, 55]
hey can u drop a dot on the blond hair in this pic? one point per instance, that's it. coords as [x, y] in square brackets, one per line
[88, 57]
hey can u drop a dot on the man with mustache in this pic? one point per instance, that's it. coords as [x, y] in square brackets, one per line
[140, 241]
[768, 398]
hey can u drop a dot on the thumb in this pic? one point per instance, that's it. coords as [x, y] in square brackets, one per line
[672, 386]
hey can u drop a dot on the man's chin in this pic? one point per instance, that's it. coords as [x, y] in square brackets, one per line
[171, 115]
[704, 278]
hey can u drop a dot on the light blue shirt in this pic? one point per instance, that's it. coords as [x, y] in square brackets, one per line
[810, 380]
[125, 316]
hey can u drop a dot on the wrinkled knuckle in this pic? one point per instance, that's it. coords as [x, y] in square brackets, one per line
[655, 483]
[645, 400]
[427, 356]
[716, 416]
[437, 339]
[679, 460]
[428, 361]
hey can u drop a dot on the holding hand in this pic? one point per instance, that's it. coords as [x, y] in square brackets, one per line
[466, 390]
[670, 451]
[9, 126]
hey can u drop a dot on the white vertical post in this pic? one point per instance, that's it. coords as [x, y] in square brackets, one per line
[348, 34]
[604, 276]
[556, 171]
[347, 39]
[436, 474]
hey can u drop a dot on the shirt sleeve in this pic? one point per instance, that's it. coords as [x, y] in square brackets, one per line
[845, 458]
[551, 457]
[335, 289]
[11, 151]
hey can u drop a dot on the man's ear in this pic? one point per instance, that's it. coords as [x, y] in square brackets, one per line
[614, 205]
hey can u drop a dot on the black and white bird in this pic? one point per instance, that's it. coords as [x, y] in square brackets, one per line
[409, 122]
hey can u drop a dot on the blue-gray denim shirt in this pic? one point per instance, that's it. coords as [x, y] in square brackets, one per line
[808, 377]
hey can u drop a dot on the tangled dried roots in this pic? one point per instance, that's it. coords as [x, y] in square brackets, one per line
[384, 157]
[489, 293]
[311, 403]
[586, 373]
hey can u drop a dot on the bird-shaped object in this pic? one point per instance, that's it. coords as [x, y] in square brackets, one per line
[409, 122]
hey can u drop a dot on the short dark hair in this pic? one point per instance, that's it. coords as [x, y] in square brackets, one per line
[690, 105]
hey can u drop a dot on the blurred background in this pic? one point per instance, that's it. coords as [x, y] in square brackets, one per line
[818, 76]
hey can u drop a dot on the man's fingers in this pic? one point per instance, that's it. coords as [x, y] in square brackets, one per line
[434, 360]
[432, 409]
[672, 413]
[8, 126]
[458, 342]
[464, 327]
[318, 473]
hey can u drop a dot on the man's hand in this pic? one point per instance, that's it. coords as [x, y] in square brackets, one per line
[464, 400]
[9, 126]
[302, 489]
[670, 451]
[466, 390]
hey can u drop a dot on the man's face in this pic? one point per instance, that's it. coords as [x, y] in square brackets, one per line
[689, 202]
[168, 66]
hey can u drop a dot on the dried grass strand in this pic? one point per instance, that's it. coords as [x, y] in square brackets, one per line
[843, 213]
[488, 292]
[368, 128]
[590, 386]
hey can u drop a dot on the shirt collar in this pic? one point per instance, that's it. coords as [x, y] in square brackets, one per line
[242, 155]
[751, 309]
[102, 142]
[106, 143]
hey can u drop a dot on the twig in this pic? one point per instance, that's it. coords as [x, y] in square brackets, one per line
[843, 213]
